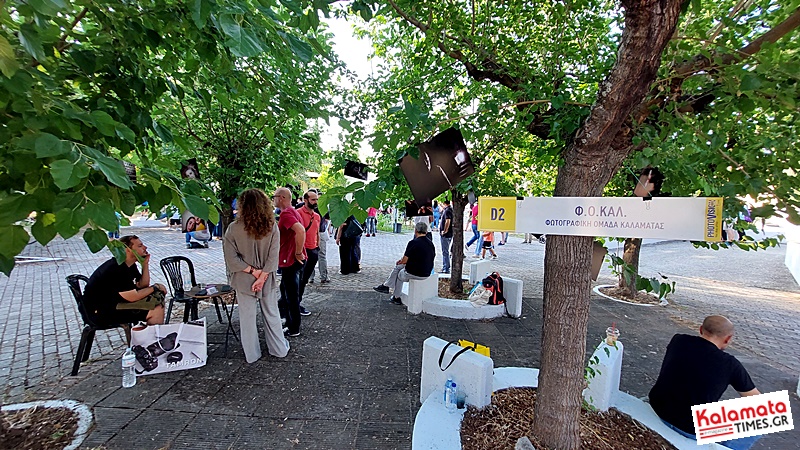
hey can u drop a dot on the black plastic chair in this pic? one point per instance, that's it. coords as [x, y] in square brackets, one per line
[171, 266]
[89, 326]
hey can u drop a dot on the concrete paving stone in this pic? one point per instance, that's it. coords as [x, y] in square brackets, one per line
[320, 401]
[382, 435]
[245, 399]
[222, 432]
[395, 406]
[187, 396]
[107, 422]
[317, 434]
[152, 429]
[392, 378]
[146, 392]
[92, 390]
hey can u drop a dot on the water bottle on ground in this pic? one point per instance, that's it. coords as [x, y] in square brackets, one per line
[128, 370]
[450, 402]
[447, 385]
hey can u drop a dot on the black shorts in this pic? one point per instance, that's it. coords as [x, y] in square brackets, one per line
[174, 221]
[487, 244]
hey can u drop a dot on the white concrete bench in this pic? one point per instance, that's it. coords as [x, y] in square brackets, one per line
[422, 296]
[471, 371]
[416, 292]
[478, 270]
[437, 428]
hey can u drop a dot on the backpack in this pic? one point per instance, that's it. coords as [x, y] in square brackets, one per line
[494, 284]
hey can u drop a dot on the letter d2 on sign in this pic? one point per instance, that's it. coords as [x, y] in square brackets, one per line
[497, 213]
[742, 417]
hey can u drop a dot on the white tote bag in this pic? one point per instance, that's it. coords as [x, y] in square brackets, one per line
[166, 348]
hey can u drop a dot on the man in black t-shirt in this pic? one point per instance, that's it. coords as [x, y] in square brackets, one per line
[118, 293]
[446, 234]
[695, 371]
[416, 263]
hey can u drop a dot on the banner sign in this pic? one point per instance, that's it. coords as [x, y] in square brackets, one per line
[742, 417]
[683, 218]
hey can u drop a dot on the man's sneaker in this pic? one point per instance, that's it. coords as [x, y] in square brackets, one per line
[381, 288]
[304, 312]
[325, 281]
[494, 257]
[293, 334]
[396, 301]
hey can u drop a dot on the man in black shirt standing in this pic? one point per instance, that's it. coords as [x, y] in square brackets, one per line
[446, 232]
[118, 293]
[416, 263]
[696, 370]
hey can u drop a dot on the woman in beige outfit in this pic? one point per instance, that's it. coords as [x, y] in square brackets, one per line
[251, 256]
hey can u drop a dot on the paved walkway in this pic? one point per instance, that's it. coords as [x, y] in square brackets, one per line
[352, 379]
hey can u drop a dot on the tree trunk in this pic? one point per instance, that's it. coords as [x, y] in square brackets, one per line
[457, 249]
[590, 160]
[633, 246]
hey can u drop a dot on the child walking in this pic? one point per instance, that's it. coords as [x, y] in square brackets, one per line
[488, 240]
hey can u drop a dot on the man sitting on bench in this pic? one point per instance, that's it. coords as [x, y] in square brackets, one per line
[118, 293]
[696, 370]
[416, 264]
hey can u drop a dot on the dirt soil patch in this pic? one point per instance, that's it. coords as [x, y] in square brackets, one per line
[444, 290]
[510, 417]
[38, 428]
[621, 295]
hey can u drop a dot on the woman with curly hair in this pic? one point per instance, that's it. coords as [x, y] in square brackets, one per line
[251, 247]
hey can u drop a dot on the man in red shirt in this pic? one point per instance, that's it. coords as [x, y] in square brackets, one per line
[291, 258]
[475, 235]
[310, 219]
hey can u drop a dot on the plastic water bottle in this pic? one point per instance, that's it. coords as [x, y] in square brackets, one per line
[450, 401]
[128, 371]
[447, 385]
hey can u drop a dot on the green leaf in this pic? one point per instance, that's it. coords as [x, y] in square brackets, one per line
[48, 145]
[47, 7]
[201, 10]
[15, 238]
[6, 265]
[300, 48]
[125, 133]
[43, 230]
[196, 205]
[67, 174]
[102, 214]
[118, 250]
[14, 208]
[114, 171]
[750, 82]
[29, 38]
[95, 239]
[104, 123]
[162, 132]
[8, 63]
[697, 6]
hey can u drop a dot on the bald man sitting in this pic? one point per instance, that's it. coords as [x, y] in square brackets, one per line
[696, 370]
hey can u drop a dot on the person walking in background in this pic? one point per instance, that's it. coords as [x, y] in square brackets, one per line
[437, 214]
[310, 219]
[291, 259]
[322, 264]
[347, 248]
[488, 240]
[372, 222]
[475, 234]
[503, 238]
[446, 234]
[251, 248]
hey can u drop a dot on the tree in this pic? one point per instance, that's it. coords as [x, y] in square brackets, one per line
[79, 84]
[551, 60]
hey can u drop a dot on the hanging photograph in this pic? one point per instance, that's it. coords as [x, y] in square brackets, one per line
[356, 170]
[189, 169]
[443, 163]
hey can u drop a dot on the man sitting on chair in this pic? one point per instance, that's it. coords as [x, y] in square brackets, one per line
[118, 293]
[416, 263]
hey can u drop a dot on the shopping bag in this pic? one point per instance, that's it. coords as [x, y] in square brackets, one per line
[170, 347]
[467, 346]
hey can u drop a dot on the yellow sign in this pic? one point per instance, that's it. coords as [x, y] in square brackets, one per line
[497, 214]
[713, 222]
